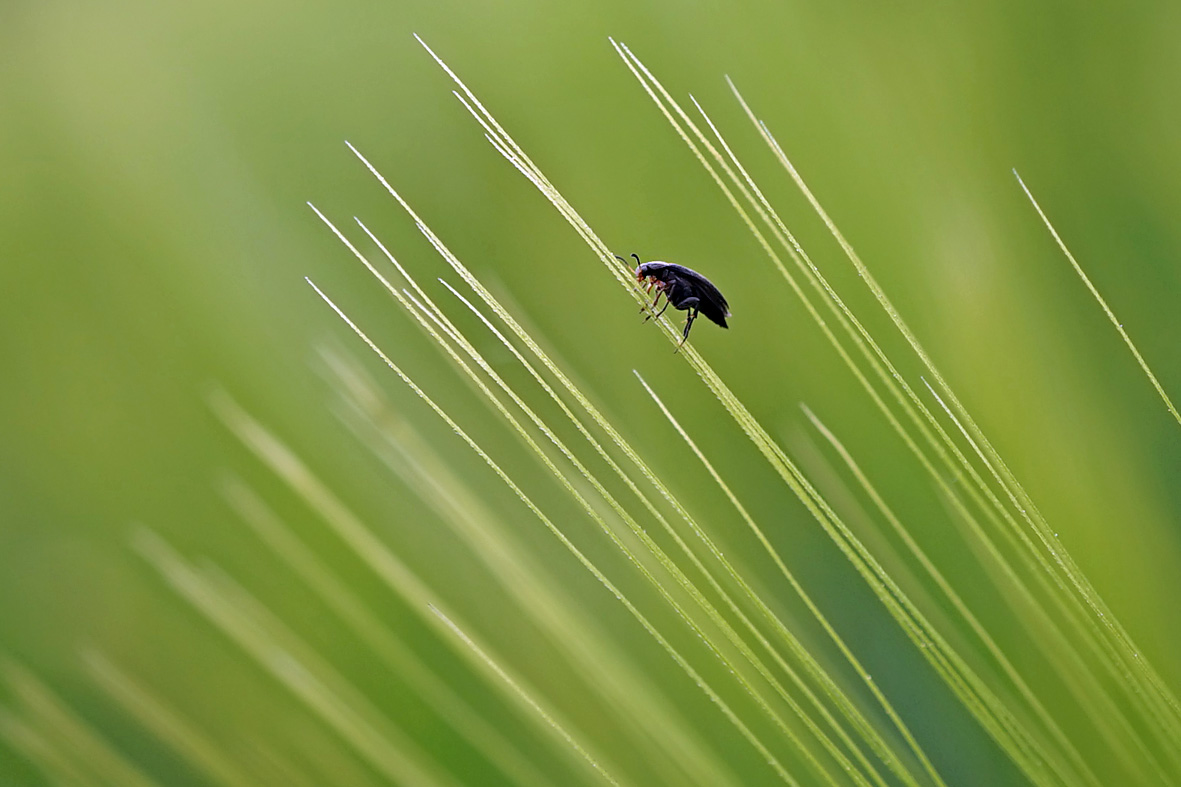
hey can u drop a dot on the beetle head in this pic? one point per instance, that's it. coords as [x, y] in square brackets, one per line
[649, 270]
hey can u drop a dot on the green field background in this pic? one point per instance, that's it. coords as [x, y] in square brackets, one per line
[155, 161]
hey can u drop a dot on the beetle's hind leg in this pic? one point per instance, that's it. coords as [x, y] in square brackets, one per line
[691, 305]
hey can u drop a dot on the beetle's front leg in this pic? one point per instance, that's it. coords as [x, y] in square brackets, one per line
[656, 300]
[667, 301]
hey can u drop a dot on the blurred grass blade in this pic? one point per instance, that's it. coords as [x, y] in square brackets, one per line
[324, 692]
[368, 627]
[56, 765]
[205, 755]
[387, 566]
[63, 738]
[528, 697]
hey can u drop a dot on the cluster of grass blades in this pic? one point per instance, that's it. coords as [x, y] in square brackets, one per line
[802, 714]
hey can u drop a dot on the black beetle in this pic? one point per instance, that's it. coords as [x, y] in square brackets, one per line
[684, 288]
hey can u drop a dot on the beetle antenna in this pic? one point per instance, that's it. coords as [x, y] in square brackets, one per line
[637, 256]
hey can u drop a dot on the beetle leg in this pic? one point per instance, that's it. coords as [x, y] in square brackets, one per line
[666, 303]
[691, 305]
[662, 308]
[648, 291]
[654, 302]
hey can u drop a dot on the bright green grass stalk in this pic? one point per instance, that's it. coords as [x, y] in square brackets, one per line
[1116, 651]
[778, 460]
[1165, 706]
[1037, 620]
[1019, 742]
[516, 156]
[892, 760]
[730, 634]
[1119, 326]
[537, 592]
[787, 574]
[958, 603]
[742, 727]
[1122, 649]
[813, 669]
[1086, 687]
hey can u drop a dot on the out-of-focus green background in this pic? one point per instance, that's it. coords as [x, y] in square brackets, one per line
[154, 164]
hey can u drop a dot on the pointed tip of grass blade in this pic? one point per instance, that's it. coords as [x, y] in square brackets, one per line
[375, 239]
[365, 161]
[319, 292]
[1021, 183]
[1111, 316]
[446, 68]
[357, 153]
[323, 218]
[814, 418]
